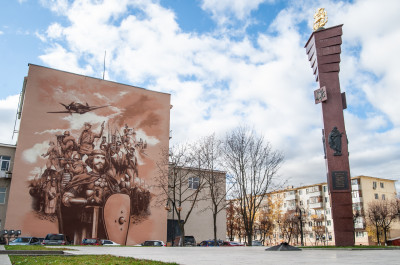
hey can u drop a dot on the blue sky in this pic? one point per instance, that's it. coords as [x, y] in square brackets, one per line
[225, 63]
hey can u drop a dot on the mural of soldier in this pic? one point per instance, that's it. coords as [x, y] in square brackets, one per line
[55, 188]
[78, 190]
[87, 138]
[53, 156]
[51, 195]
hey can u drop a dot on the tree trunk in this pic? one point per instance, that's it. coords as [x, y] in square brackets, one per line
[215, 229]
[377, 235]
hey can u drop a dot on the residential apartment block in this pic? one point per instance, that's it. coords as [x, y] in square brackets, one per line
[312, 205]
[7, 153]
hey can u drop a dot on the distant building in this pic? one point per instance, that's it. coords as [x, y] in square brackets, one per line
[7, 153]
[283, 208]
[200, 223]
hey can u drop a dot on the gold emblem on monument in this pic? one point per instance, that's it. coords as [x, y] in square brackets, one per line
[320, 18]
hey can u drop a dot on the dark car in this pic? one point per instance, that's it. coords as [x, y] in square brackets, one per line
[56, 239]
[92, 241]
[189, 241]
[3, 241]
[210, 243]
[25, 240]
[152, 243]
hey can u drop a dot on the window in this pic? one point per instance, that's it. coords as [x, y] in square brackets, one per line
[301, 203]
[374, 185]
[376, 196]
[328, 222]
[3, 195]
[311, 235]
[324, 188]
[309, 224]
[382, 185]
[194, 183]
[328, 211]
[354, 182]
[359, 234]
[300, 192]
[383, 197]
[5, 162]
[326, 199]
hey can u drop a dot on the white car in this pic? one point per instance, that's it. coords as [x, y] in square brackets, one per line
[107, 242]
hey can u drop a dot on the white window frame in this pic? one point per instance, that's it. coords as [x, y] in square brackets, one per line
[3, 190]
[193, 181]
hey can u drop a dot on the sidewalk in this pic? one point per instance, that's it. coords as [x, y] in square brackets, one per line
[4, 259]
[246, 255]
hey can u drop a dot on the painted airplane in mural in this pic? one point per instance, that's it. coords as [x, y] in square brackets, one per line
[77, 108]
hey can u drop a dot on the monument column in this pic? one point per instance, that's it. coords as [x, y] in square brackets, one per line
[323, 49]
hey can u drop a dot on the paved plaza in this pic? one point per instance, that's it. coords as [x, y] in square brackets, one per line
[242, 255]
[247, 255]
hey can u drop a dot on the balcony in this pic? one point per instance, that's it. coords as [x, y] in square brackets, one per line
[355, 187]
[316, 205]
[357, 200]
[5, 174]
[290, 197]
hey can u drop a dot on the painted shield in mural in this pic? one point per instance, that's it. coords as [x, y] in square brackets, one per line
[116, 217]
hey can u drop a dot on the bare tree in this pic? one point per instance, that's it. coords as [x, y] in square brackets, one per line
[264, 224]
[181, 183]
[230, 220]
[373, 216]
[253, 166]
[209, 154]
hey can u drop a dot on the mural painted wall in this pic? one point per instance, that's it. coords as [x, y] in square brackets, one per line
[86, 157]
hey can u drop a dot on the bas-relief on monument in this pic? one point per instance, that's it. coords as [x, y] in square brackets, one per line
[323, 49]
[86, 158]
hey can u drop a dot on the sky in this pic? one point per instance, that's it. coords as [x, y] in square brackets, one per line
[225, 63]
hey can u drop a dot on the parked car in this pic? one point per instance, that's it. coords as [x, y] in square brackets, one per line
[152, 243]
[56, 239]
[3, 241]
[24, 240]
[189, 241]
[232, 244]
[256, 243]
[91, 241]
[107, 242]
[210, 243]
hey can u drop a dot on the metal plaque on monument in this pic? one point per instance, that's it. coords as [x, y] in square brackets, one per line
[323, 49]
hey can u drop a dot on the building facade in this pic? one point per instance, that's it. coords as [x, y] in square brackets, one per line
[7, 153]
[86, 159]
[311, 204]
[193, 197]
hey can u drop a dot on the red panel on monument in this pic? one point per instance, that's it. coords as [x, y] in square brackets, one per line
[323, 50]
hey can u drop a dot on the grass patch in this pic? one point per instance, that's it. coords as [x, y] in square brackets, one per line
[35, 247]
[82, 259]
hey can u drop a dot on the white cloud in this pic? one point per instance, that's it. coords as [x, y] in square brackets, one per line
[31, 155]
[220, 81]
[8, 111]
[1, 32]
[222, 10]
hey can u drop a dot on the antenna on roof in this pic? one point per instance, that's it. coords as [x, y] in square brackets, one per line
[104, 64]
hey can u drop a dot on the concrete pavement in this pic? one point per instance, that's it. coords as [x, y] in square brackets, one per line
[246, 255]
[4, 259]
